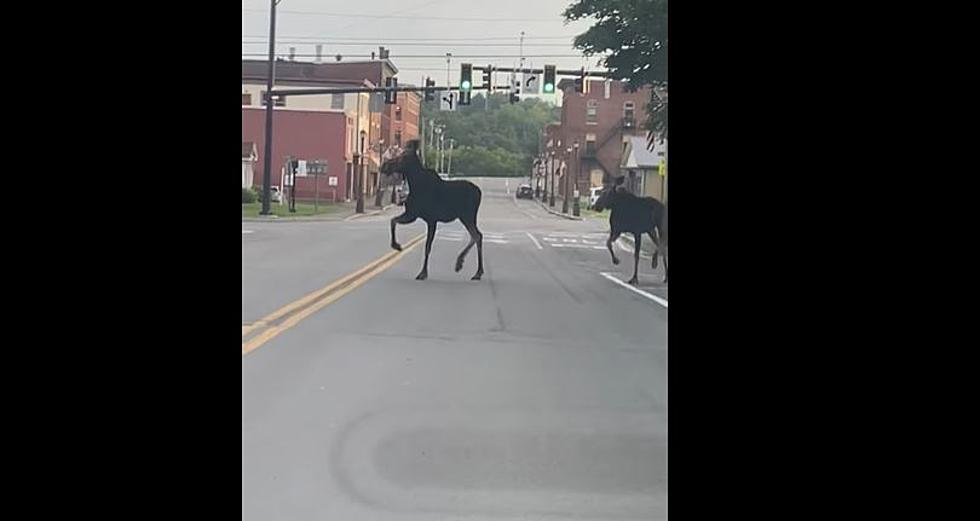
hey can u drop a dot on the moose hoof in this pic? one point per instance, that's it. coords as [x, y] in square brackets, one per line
[654, 263]
[477, 276]
[396, 246]
[459, 265]
[422, 276]
[633, 281]
[615, 261]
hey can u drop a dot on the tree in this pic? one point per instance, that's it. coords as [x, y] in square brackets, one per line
[498, 138]
[634, 34]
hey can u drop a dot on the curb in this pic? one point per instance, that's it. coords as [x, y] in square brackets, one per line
[559, 214]
[357, 216]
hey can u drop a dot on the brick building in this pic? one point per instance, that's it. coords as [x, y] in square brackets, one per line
[362, 114]
[602, 121]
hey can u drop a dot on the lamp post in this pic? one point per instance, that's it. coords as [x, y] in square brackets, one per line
[567, 195]
[575, 208]
[359, 181]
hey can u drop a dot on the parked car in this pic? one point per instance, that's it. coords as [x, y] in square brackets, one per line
[525, 192]
[274, 195]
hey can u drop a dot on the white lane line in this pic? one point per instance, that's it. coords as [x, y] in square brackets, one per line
[577, 246]
[658, 300]
[247, 231]
[535, 241]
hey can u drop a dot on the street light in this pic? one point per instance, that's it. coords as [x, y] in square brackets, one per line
[359, 180]
[377, 190]
[565, 183]
[551, 201]
[575, 209]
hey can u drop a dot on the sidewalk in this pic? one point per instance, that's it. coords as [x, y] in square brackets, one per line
[559, 214]
[346, 214]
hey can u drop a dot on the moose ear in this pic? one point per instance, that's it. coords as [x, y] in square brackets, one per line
[412, 145]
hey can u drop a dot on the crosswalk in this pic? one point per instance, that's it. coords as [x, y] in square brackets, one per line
[462, 236]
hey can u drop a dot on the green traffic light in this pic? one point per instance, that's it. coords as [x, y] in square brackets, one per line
[549, 87]
[465, 85]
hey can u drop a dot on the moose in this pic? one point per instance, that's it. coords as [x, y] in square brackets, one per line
[435, 200]
[636, 215]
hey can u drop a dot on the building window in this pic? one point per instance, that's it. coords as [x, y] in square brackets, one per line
[276, 101]
[337, 101]
[590, 145]
[246, 98]
[592, 112]
[628, 110]
[398, 138]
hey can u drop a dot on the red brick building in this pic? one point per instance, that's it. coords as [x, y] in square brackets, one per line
[601, 121]
[307, 135]
[382, 125]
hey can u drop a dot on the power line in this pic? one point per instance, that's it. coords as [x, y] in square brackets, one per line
[405, 17]
[404, 56]
[406, 38]
[411, 44]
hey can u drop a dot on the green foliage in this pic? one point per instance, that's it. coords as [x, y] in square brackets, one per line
[493, 138]
[633, 33]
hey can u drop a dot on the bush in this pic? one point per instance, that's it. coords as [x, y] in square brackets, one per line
[249, 196]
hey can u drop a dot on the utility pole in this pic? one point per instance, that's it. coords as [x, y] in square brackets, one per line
[449, 168]
[449, 57]
[575, 208]
[566, 184]
[359, 208]
[551, 202]
[441, 144]
[270, 81]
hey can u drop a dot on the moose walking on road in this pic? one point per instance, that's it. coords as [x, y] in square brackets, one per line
[435, 200]
[636, 215]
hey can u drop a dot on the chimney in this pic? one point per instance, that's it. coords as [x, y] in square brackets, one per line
[319, 53]
[292, 54]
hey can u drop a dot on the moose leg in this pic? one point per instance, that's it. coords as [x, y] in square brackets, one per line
[636, 257]
[665, 263]
[431, 234]
[404, 218]
[462, 255]
[612, 237]
[479, 254]
[656, 243]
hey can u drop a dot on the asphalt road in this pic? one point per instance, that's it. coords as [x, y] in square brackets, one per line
[536, 393]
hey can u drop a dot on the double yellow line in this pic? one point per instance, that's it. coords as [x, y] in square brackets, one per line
[271, 325]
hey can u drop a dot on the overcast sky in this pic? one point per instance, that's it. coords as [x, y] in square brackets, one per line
[419, 27]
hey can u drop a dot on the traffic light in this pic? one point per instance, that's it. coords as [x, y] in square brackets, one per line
[391, 95]
[464, 98]
[549, 79]
[515, 94]
[466, 77]
[488, 78]
[430, 89]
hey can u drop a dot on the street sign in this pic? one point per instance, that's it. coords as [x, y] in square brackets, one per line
[530, 83]
[332, 180]
[447, 100]
[301, 171]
